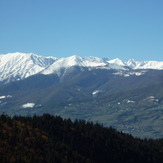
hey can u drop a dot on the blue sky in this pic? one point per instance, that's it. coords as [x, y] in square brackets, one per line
[122, 29]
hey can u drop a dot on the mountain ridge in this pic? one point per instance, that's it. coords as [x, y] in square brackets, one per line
[18, 66]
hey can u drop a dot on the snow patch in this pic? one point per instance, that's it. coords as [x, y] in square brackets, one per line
[152, 99]
[96, 92]
[130, 101]
[28, 105]
[3, 97]
[127, 73]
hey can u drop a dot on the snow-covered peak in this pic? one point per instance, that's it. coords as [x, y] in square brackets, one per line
[144, 64]
[116, 61]
[65, 63]
[15, 66]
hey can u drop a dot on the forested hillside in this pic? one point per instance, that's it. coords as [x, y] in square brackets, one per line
[53, 139]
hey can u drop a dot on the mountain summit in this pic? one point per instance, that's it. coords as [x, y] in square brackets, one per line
[16, 66]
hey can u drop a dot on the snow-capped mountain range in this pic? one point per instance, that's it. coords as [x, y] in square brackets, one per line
[126, 95]
[17, 66]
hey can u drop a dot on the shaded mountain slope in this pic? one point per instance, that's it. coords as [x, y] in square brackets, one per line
[76, 83]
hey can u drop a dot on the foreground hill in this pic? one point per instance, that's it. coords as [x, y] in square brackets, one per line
[52, 139]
